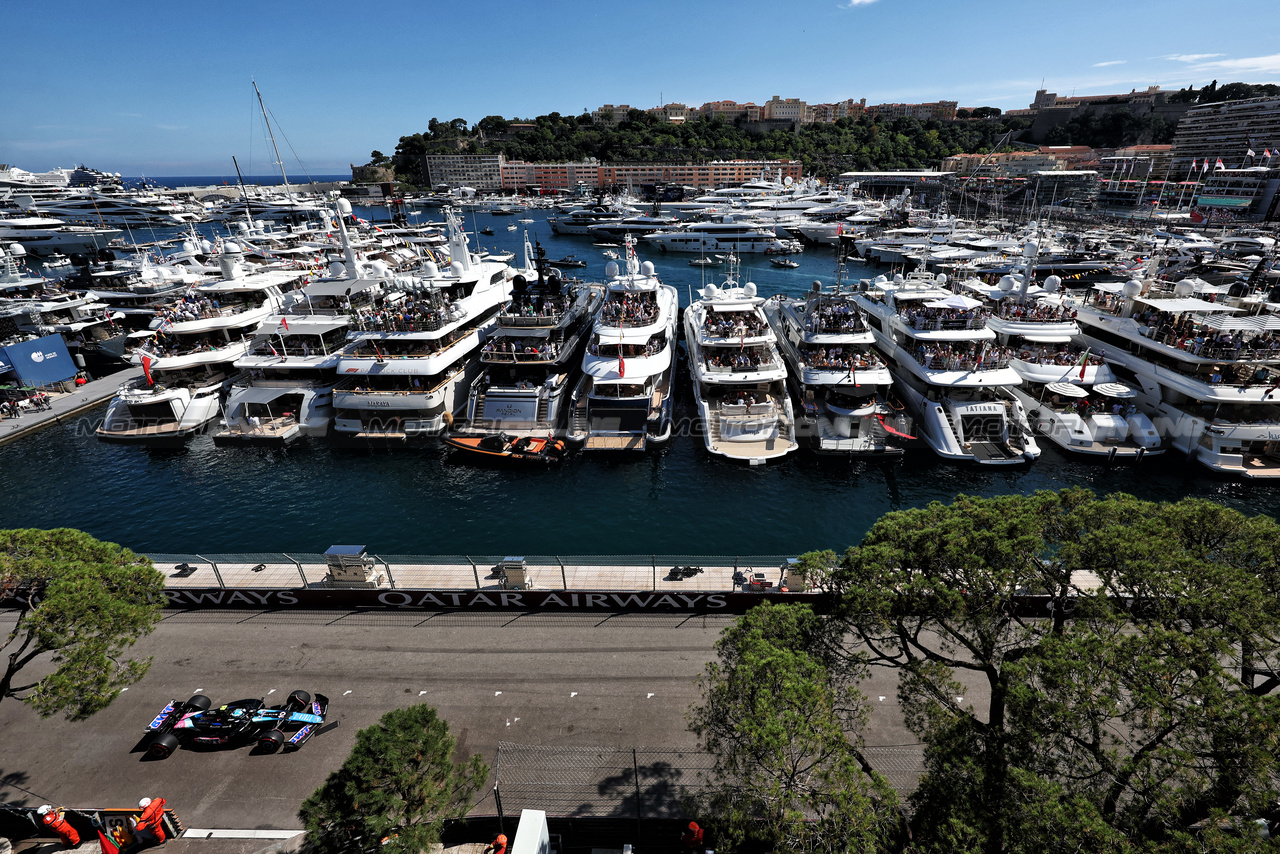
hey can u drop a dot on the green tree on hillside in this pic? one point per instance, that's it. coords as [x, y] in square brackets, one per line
[78, 604]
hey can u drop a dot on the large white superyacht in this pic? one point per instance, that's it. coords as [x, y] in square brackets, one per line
[1208, 373]
[839, 378]
[188, 355]
[532, 359]
[1069, 392]
[406, 371]
[725, 233]
[739, 377]
[624, 400]
[950, 370]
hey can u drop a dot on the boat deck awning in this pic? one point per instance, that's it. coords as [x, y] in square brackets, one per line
[1179, 305]
[338, 287]
[522, 332]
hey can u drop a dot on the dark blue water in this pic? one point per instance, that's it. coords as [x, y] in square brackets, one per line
[679, 500]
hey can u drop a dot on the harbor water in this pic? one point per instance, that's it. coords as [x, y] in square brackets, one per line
[404, 500]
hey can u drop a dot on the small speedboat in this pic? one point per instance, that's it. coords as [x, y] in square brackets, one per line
[523, 449]
[568, 261]
[525, 220]
[784, 262]
[606, 245]
[486, 230]
[704, 262]
[512, 227]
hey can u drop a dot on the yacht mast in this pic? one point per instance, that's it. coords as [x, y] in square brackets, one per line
[287, 189]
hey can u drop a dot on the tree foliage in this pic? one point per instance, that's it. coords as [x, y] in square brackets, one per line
[396, 788]
[1139, 704]
[80, 604]
[783, 730]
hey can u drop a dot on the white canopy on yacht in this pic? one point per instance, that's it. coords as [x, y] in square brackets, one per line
[957, 301]
[1255, 322]
[1119, 390]
[1067, 390]
[1181, 304]
[1109, 287]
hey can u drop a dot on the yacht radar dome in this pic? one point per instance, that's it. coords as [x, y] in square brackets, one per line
[337, 269]
[611, 269]
[816, 287]
[897, 278]
[1131, 288]
[646, 269]
[1030, 249]
[17, 250]
[344, 207]
[455, 269]
[1183, 289]
[1007, 283]
[1052, 283]
[941, 279]
[750, 289]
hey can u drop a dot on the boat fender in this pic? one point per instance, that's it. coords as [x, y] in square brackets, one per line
[448, 419]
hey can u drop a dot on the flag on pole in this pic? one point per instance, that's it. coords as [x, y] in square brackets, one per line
[1250, 153]
[622, 364]
[1204, 165]
[284, 321]
[1218, 165]
[146, 368]
[1084, 362]
[1193, 164]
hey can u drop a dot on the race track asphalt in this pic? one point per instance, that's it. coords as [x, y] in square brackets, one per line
[569, 680]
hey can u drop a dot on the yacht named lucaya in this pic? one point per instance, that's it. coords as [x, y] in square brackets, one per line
[739, 378]
[624, 400]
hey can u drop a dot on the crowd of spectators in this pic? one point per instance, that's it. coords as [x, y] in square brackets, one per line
[1067, 354]
[1036, 312]
[734, 324]
[410, 315]
[946, 318]
[192, 306]
[520, 350]
[834, 318]
[946, 357]
[630, 310]
[842, 358]
[736, 360]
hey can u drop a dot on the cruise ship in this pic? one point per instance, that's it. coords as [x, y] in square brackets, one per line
[530, 363]
[739, 378]
[839, 378]
[189, 352]
[1069, 392]
[409, 364]
[1207, 373]
[725, 233]
[950, 370]
[624, 401]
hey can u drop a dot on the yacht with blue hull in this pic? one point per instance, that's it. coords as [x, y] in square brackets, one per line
[624, 401]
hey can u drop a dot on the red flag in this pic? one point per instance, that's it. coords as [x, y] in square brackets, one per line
[1218, 164]
[1084, 362]
[146, 368]
[1193, 163]
[284, 321]
[622, 365]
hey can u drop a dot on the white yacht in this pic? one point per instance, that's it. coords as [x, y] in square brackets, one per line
[839, 378]
[113, 205]
[949, 369]
[1208, 373]
[739, 378]
[725, 233]
[42, 235]
[1069, 393]
[624, 400]
[532, 359]
[582, 220]
[188, 355]
[406, 371]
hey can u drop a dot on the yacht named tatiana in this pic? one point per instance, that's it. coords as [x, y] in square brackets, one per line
[948, 367]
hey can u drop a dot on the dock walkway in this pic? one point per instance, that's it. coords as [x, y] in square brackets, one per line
[65, 405]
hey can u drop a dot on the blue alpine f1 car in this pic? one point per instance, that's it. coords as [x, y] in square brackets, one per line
[196, 723]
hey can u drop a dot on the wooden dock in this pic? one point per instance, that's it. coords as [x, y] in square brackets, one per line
[66, 405]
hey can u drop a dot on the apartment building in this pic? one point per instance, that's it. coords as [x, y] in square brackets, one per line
[786, 110]
[943, 111]
[1228, 131]
[673, 113]
[610, 115]
[479, 171]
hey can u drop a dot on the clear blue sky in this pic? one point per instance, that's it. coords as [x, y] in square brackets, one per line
[163, 88]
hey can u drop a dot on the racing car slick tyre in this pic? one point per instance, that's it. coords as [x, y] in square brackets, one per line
[298, 701]
[271, 742]
[200, 703]
[162, 745]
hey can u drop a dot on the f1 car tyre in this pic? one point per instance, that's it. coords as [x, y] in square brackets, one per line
[200, 703]
[271, 742]
[298, 701]
[162, 745]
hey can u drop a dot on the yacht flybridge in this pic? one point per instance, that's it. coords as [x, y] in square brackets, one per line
[739, 378]
[624, 400]
[950, 369]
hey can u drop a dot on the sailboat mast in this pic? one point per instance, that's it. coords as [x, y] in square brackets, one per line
[287, 189]
[244, 194]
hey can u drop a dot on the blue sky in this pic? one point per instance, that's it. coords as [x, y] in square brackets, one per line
[164, 88]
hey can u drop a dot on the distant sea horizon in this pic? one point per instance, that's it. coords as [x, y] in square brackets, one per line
[231, 180]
